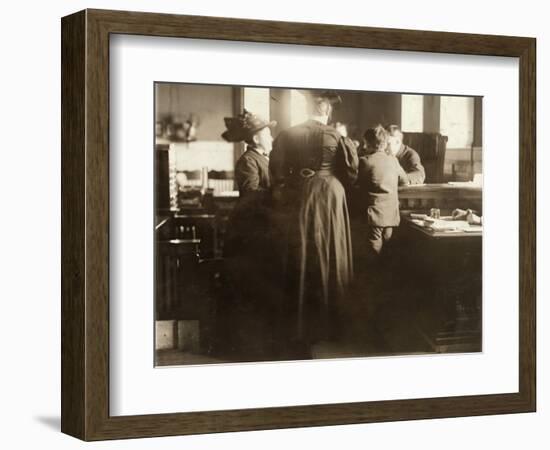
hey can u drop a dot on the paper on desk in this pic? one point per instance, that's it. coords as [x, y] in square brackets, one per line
[474, 228]
[461, 183]
[418, 216]
[449, 225]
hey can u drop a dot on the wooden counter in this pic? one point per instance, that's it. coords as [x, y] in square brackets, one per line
[442, 195]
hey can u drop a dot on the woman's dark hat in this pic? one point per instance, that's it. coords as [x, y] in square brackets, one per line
[243, 127]
[331, 96]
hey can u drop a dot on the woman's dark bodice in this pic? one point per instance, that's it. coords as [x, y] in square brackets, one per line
[309, 148]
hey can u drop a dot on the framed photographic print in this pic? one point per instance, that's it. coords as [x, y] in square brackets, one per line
[270, 224]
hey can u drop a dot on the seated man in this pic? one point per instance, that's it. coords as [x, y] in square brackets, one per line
[407, 157]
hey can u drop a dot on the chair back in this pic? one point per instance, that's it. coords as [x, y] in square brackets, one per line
[431, 148]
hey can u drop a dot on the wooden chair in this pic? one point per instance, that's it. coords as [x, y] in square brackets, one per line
[431, 148]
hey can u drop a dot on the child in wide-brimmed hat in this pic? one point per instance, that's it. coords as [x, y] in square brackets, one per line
[251, 169]
[247, 239]
[250, 128]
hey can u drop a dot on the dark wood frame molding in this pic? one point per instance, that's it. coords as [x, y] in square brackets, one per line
[85, 224]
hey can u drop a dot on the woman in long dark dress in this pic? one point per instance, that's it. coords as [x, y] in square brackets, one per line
[310, 166]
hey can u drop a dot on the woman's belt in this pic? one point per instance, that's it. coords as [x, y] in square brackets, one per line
[308, 173]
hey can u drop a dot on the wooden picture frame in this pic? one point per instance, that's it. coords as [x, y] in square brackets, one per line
[85, 224]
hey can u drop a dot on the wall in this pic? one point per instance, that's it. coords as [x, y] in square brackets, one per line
[377, 107]
[30, 287]
[279, 107]
[432, 113]
[359, 110]
[363, 110]
[209, 103]
[349, 112]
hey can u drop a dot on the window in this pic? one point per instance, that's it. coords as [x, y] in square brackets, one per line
[256, 100]
[457, 121]
[412, 113]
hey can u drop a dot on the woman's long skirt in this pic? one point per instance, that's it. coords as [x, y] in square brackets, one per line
[319, 264]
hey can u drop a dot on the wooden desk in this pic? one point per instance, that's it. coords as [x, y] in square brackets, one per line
[445, 270]
[184, 279]
[459, 234]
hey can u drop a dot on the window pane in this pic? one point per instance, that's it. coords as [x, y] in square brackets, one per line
[256, 100]
[412, 109]
[457, 121]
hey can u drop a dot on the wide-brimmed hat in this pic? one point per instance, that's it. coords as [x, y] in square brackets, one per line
[243, 127]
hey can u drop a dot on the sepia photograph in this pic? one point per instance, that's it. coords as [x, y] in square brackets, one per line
[300, 224]
[276, 224]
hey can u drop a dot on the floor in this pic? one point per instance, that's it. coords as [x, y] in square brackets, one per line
[397, 336]
[323, 350]
[390, 312]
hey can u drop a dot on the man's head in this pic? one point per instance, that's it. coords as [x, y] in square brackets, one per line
[395, 139]
[376, 139]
